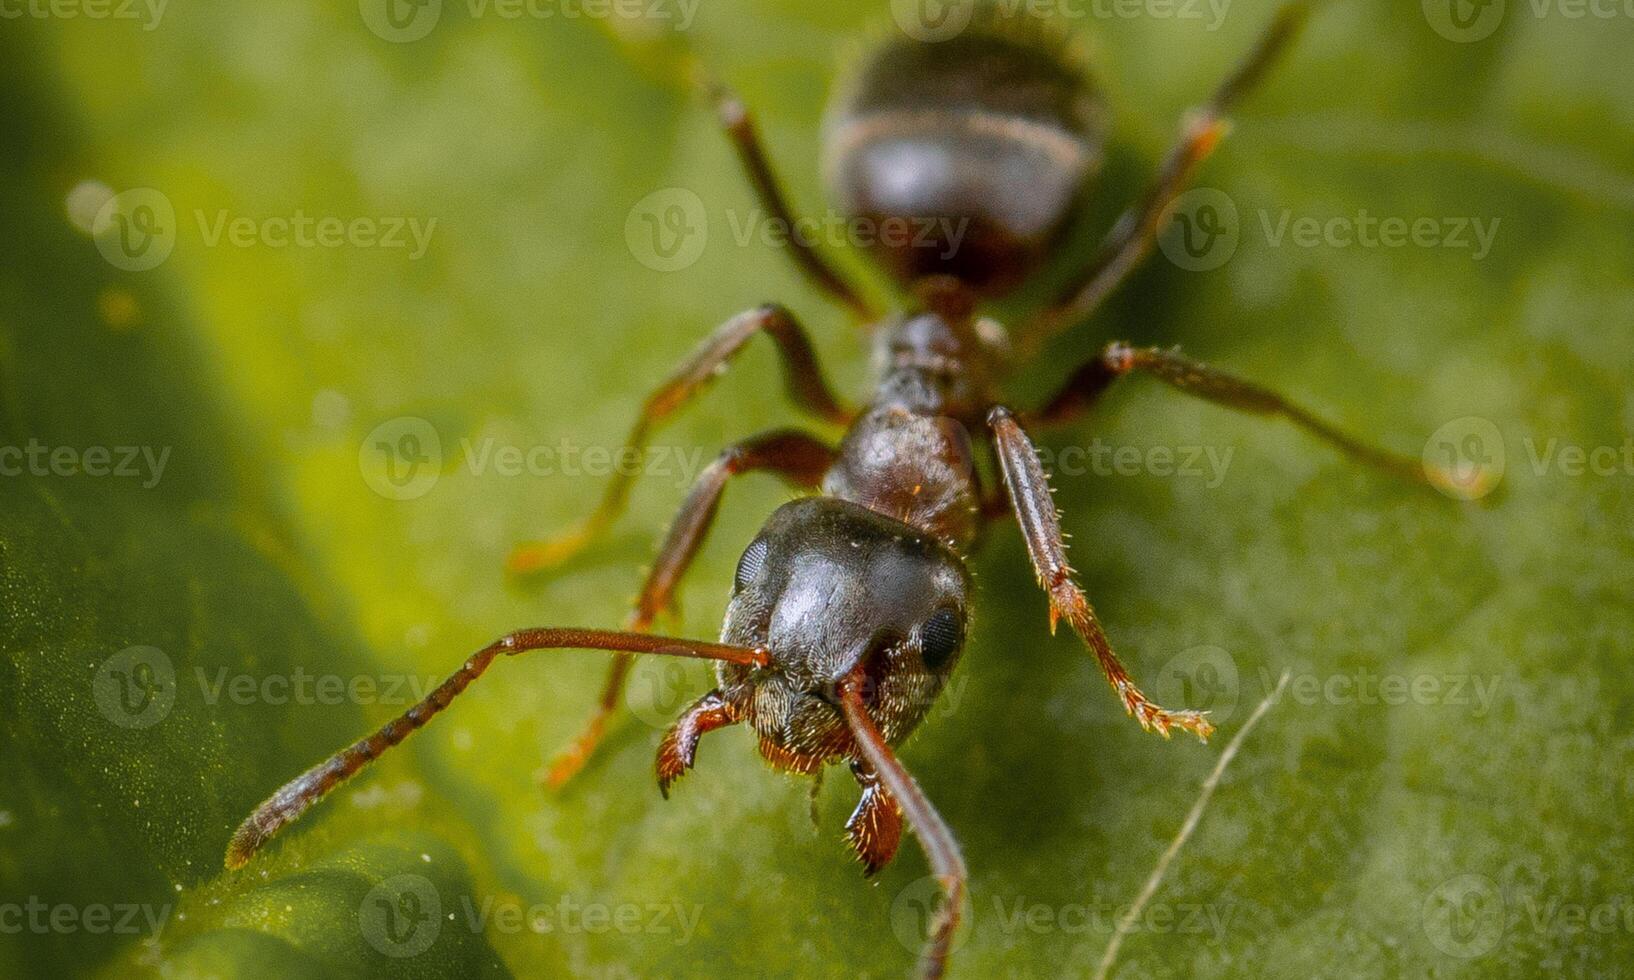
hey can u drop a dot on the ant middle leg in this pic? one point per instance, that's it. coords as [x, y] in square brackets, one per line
[1137, 229]
[1084, 388]
[800, 459]
[802, 377]
[740, 127]
[1034, 506]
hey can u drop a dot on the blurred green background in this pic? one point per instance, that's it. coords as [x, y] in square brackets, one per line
[1477, 827]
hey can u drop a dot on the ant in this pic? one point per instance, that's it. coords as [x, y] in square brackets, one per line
[850, 609]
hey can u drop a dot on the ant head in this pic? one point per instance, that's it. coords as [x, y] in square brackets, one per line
[826, 586]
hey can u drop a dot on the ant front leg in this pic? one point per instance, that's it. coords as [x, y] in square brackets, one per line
[740, 127]
[1195, 378]
[1137, 229]
[1040, 524]
[798, 458]
[801, 374]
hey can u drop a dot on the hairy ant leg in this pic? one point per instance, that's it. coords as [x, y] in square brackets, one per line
[1137, 229]
[740, 128]
[798, 458]
[801, 374]
[1035, 511]
[1211, 384]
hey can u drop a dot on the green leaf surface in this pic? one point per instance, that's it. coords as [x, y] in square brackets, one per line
[1442, 789]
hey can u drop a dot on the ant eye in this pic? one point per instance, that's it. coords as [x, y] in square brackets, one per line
[754, 558]
[940, 637]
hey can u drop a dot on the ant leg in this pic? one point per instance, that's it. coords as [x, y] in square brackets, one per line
[875, 827]
[802, 377]
[679, 747]
[740, 127]
[1040, 522]
[798, 458]
[298, 794]
[1137, 229]
[940, 846]
[1213, 385]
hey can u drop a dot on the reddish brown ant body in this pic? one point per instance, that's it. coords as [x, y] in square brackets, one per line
[850, 608]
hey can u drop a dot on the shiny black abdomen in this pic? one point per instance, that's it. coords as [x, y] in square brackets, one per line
[965, 156]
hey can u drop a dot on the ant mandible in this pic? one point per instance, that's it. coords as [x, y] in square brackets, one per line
[850, 608]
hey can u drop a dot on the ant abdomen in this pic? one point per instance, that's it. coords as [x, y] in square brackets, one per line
[965, 156]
